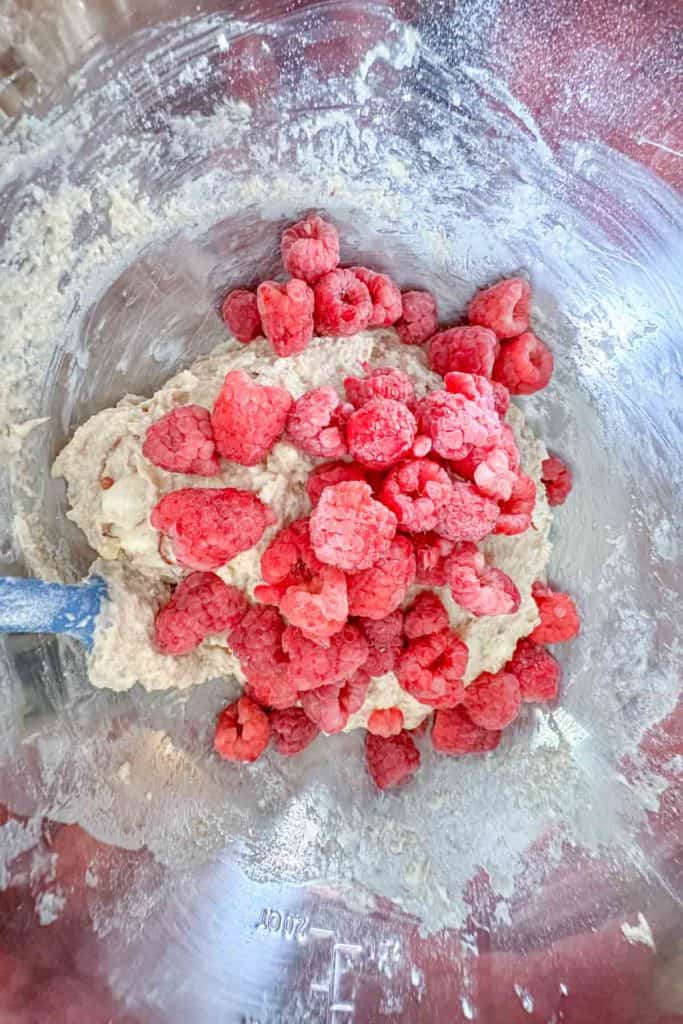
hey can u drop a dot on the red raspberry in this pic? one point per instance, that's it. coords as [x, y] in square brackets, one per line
[312, 666]
[349, 529]
[380, 433]
[525, 365]
[310, 248]
[319, 607]
[503, 441]
[290, 557]
[257, 642]
[426, 615]
[480, 589]
[384, 382]
[248, 418]
[431, 669]
[385, 641]
[502, 398]
[316, 423]
[354, 691]
[273, 690]
[201, 604]
[330, 473]
[391, 759]
[493, 701]
[286, 312]
[467, 515]
[465, 349]
[455, 424]
[342, 304]
[385, 722]
[503, 308]
[537, 672]
[557, 477]
[419, 320]
[473, 386]
[422, 445]
[182, 442]
[385, 295]
[323, 706]
[292, 730]
[241, 316]
[559, 617]
[376, 592]
[417, 492]
[454, 732]
[516, 512]
[209, 526]
[431, 553]
[494, 477]
[242, 731]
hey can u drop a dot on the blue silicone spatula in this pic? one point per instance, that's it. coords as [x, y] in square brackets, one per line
[33, 606]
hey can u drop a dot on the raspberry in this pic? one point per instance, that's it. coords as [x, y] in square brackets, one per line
[465, 349]
[503, 308]
[257, 642]
[422, 445]
[316, 423]
[501, 397]
[516, 512]
[241, 316]
[319, 607]
[557, 477]
[426, 615]
[455, 424]
[504, 441]
[342, 304]
[418, 321]
[454, 732]
[312, 666]
[431, 553]
[431, 669]
[330, 473]
[354, 691]
[310, 248]
[273, 690]
[559, 617]
[201, 604]
[537, 672]
[385, 642]
[417, 492]
[473, 386]
[493, 701]
[391, 759]
[286, 312]
[380, 433]
[494, 477]
[467, 515]
[384, 382]
[242, 731]
[182, 441]
[349, 529]
[375, 593]
[478, 588]
[209, 526]
[525, 365]
[248, 418]
[289, 556]
[292, 730]
[323, 706]
[385, 722]
[385, 295]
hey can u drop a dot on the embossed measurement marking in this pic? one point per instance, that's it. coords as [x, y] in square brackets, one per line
[287, 926]
[337, 985]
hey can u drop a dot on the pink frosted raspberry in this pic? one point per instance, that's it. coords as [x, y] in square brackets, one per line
[516, 512]
[465, 349]
[419, 319]
[503, 441]
[391, 759]
[242, 731]
[323, 706]
[426, 615]
[493, 701]
[431, 552]
[311, 665]
[380, 433]
[479, 588]
[349, 529]
[385, 295]
[272, 689]
[557, 477]
[342, 304]
[310, 248]
[385, 642]
[376, 592]
[385, 722]
[290, 556]
[208, 526]
[316, 423]
[319, 606]
[455, 424]
[467, 515]
[537, 672]
[422, 445]
[454, 732]
[248, 418]
[330, 473]
[525, 365]
[292, 730]
[503, 308]
[354, 691]
[417, 492]
[257, 642]
[559, 617]
[182, 441]
[383, 382]
[241, 316]
[473, 386]
[494, 477]
[431, 668]
[201, 604]
[502, 398]
[286, 312]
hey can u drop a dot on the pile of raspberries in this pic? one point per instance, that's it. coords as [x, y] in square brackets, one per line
[404, 490]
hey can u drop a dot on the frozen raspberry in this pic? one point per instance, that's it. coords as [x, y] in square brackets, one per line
[431, 553]
[310, 248]
[417, 492]
[473, 386]
[182, 441]
[342, 304]
[426, 615]
[257, 642]
[241, 316]
[201, 604]
[292, 730]
[380, 433]
[391, 759]
[422, 445]
[467, 515]
[273, 689]
[323, 707]
[330, 473]
[502, 398]
[385, 722]
[319, 606]
[349, 529]
[354, 691]
[316, 423]
[209, 526]
[242, 731]
[312, 666]
[493, 701]
[503, 441]
[455, 424]
[537, 672]
[418, 321]
[385, 295]
[286, 312]
[559, 617]
[376, 592]
[385, 641]
[384, 382]
[248, 418]
[557, 477]
[465, 349]
[431, 669]
[494, 477]
[290, 556]
[525, 365]
[454, 732]
[503, 308]
[479, 588]
[516, 512]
